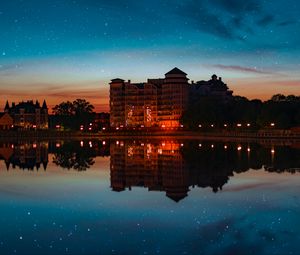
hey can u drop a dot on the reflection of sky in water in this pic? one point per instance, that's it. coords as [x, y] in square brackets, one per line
[61, 211]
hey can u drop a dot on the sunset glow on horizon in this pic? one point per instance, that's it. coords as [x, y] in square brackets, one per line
[63, 50]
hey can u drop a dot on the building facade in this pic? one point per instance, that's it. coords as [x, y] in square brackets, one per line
[6, 121]
[155, 103]
[28, 115]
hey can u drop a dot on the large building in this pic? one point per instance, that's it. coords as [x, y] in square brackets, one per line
[155, 103]
[28, 115]
[159, 102]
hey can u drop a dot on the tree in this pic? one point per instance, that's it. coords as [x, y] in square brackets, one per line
[74, 114]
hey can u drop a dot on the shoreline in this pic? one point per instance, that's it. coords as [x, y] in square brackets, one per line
[261, 135]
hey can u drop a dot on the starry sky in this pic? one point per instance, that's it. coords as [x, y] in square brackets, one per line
[68, 49]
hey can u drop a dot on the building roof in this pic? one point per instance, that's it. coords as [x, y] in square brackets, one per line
[29, 107]
[117, 80]
[176, 71]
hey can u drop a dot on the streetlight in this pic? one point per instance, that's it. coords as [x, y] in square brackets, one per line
[272, 124]
[239, 125]
[200, 126]
[248, 124]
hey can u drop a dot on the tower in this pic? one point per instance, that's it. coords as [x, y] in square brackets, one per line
[174, 98]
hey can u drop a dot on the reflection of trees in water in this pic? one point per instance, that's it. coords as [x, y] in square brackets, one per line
[73, 156]
[250, 156]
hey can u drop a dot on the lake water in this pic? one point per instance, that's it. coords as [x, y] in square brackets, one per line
[149, 197]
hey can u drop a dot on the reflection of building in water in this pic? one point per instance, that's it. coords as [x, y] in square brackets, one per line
[25, 155]
[159, 166]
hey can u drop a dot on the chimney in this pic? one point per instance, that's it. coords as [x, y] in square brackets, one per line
[129, 81]
[220, 78]
[192, 82]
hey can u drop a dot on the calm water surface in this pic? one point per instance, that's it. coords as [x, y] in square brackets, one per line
[149, 197]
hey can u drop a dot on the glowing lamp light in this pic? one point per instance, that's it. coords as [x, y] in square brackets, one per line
[181, 126]
[90, 144]
[163, 126]
[103, 128]
[225, 125]
[200, 145]
[199, 125]
[272, 151]
[57, 145]
[212, 146]
[34, 145]
[272, 124]
[239, 148]
[142, 126]
[12, 126]
[212, 125]
[57, 126]
[248, 149]
[163, 144]
[239, 125]
[117, 142]
[12, 146]
[34, 126]
[103, 143]
[182, 145]
[225, 147]
[117, 128]
[81, 143]
[91, 124]
[90, 128]
[248, 124]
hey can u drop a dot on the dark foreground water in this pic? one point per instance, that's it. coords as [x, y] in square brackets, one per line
[149, 197]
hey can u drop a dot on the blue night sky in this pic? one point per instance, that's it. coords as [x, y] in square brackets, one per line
[65, 49]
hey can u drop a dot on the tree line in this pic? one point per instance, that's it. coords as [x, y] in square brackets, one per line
[279, 112]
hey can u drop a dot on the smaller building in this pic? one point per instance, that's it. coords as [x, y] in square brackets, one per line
[28, 115]
[214, 87]
[6, 121]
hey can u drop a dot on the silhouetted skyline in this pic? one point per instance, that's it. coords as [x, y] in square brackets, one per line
[72, 48]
